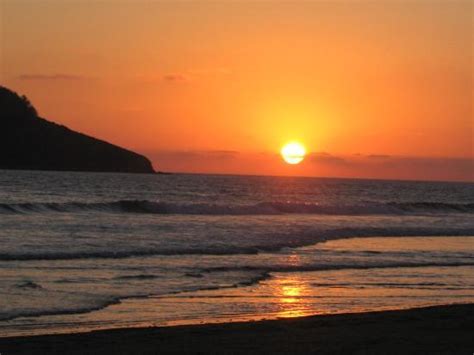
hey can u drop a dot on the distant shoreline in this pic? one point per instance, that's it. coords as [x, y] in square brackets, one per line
[88, 171]
[249, 176]
[438, 329]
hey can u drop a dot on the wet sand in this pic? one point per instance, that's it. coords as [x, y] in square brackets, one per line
[432, 330]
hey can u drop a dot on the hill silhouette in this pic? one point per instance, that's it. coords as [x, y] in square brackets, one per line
[28, 141]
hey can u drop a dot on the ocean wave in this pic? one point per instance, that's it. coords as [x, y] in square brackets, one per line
[262, 208]
[105, 254]
[79, 303]
[400, 285]
[304, 239]
[28, 285]
[84, 303]
[341, 266]
[137, 277]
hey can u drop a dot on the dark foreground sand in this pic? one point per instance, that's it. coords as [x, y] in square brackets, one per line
[434, 330]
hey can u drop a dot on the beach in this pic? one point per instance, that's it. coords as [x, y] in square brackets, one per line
[104, 255]
[432, 330]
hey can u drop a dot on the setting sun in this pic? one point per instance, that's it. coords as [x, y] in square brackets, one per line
[293, 153]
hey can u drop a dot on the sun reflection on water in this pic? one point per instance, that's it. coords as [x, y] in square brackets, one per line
[292, 292]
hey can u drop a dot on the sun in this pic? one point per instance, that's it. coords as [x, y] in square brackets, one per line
[293, 152]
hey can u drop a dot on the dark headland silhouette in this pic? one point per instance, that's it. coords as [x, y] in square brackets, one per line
[28, 141]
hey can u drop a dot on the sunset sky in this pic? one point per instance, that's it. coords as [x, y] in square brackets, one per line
[379, 89]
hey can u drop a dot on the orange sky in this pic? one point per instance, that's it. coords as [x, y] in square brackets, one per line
[373, 89]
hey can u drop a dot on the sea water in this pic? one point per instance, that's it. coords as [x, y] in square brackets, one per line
[83, 251]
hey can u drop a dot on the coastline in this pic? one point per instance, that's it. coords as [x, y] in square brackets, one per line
[436, 330]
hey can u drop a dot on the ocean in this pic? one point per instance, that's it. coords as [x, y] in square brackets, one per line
[85, 251]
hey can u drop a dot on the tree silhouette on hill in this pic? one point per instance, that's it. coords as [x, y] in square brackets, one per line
[13, 105]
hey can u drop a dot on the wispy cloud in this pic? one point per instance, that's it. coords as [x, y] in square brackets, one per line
[50, 77]
[325, 157]
[405, 167]
[378, 156]
[198, 154]
[194, 74]
[380, 166]
[175, 78]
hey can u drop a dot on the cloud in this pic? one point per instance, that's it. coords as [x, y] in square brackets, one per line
[175, 78]
[193, 74]
[198, 154]
[208, 161]
[396, 167]
[378, 156]
[50, 77]
[379, 166]
[323, 157]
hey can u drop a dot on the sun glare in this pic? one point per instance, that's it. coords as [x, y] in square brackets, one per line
[293, 152]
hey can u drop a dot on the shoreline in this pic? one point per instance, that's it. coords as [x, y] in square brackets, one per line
[444, 329]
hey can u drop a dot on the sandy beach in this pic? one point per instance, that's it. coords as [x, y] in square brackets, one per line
[433, 330]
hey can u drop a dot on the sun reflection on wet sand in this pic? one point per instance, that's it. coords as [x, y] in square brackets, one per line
[288, 294]
[291, 291]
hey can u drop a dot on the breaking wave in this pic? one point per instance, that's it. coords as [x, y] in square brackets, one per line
[279, 242]
[263, 208]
